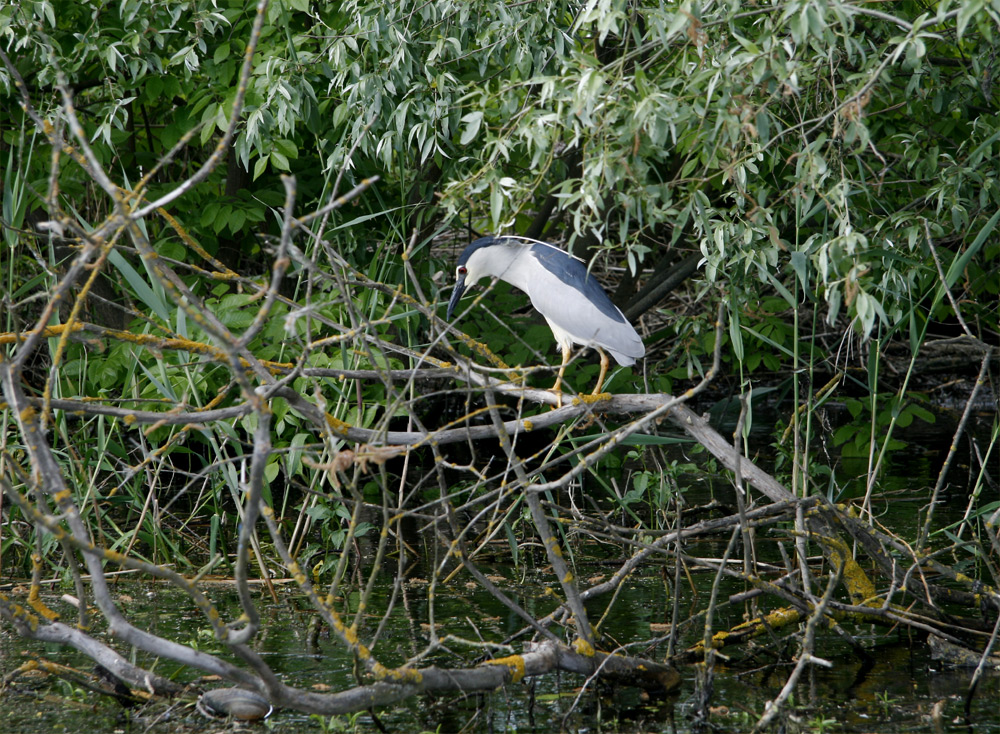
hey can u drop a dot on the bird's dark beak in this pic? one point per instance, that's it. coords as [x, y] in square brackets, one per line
[456, 295]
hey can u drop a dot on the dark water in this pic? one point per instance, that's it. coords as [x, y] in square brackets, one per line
[896, 690]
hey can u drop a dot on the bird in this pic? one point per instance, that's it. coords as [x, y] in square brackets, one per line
[561, 289]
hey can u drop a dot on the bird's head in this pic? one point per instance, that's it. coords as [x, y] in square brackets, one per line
[475, 263]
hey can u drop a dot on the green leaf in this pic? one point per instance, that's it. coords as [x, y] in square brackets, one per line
[496, 205]
[959, 264]
[287, 147]
[967, 10]
[279, 161]
[271, 470]
[207, 129]
[294, 458]
[472, 121]
[800, 266]
[222, 52]
[236, 220]
[340, 113]
[843, 434]
[222, 218]
[143, 290]
[735, 336]
[854, 407]
[782, 290]
[260, 166]
[321, 513]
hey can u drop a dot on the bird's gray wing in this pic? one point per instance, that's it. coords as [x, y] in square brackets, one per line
[568, 296]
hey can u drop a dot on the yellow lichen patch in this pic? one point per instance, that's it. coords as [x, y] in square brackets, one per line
[398, 675]
[984, 589]
[36, 603]
[513, 663]
[337, 426]
[48, 331]
[483, 350]
[774, 620]
[582, 647]
[859, 586]
[568, 578]
[598, 398]
[297, 574]
[115, 557]
[29, 667]
[20, 613]
[782, 617]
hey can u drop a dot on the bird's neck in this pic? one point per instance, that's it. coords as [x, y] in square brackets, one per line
[510, 265]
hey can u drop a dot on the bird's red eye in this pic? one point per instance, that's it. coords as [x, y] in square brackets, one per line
[462, 270]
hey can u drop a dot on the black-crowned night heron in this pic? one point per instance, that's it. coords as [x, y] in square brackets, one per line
[573, 303]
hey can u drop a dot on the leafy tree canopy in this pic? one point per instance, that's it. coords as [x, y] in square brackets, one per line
[825, 144]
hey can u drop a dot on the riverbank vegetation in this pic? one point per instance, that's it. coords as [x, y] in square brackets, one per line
[228, 236]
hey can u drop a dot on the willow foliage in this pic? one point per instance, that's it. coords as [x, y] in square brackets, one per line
[821, 143]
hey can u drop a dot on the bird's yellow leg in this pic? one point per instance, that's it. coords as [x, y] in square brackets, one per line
[604, 371]
[559, 376]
